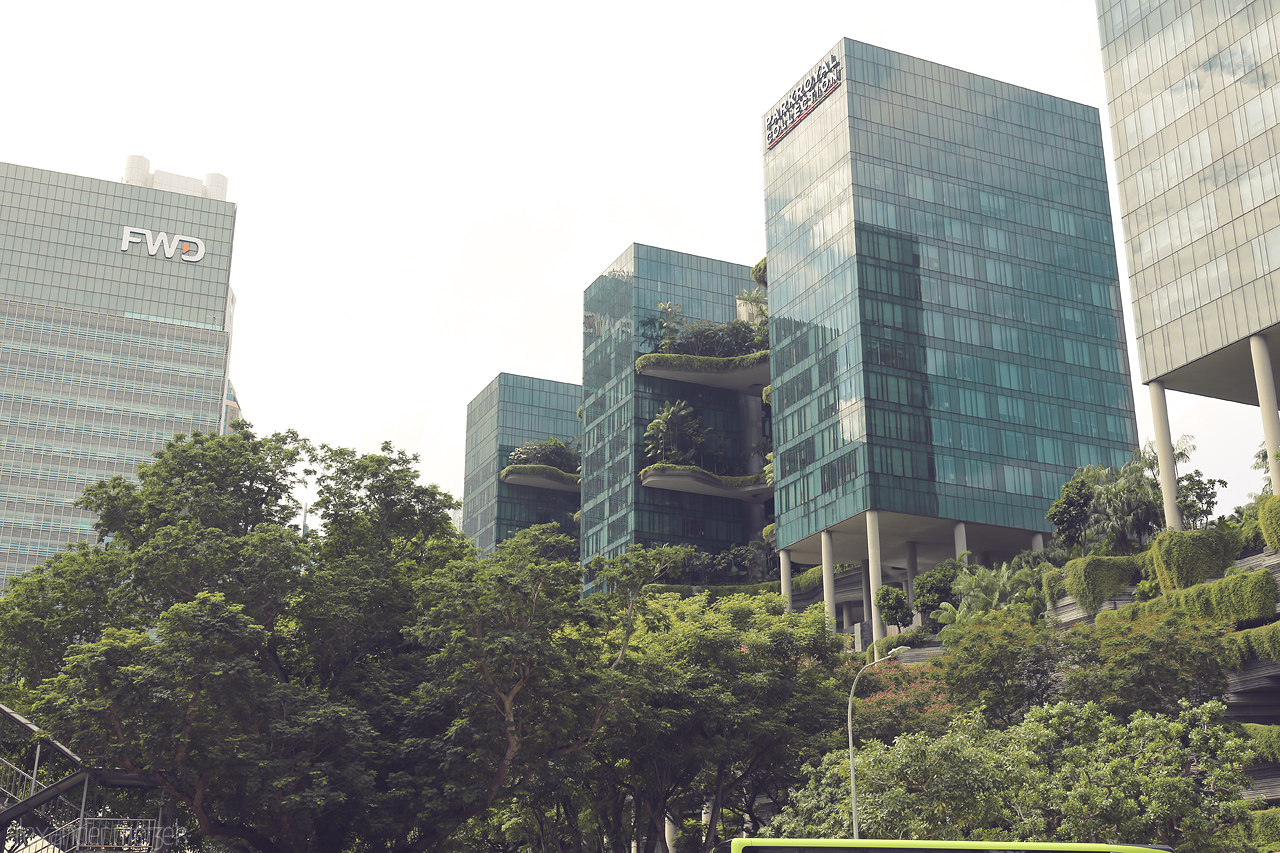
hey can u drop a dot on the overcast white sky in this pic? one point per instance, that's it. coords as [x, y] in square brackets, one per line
[425, 190]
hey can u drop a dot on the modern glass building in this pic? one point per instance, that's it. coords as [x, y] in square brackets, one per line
[1195, 115]
[115, 330]
[621, 308]
[945, 313]
[510, 411]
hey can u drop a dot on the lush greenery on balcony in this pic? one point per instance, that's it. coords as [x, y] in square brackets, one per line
[551, 461]
[701, 363]
[743, 482]
[549, 472]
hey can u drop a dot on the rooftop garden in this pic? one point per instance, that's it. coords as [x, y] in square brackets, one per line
[551, 460]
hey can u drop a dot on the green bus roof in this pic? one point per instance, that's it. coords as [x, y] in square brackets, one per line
[801, 845]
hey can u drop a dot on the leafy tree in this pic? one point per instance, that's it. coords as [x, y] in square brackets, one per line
[894, 607]
[526, 671]
[729, 698]
[224, 654]
[1127, 507]
[1197, 497]
[1067, 773]
[1148, 664]
[1005, 664]
[675, 435]
[982, 590]
[550, 451]
[1070, 512]
[934, 587]
[894, 700]
[742, 693]
[760, 273]
[374, 683]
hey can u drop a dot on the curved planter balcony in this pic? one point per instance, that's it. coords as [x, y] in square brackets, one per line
[692, 479]
[747, 373]
[542, 477]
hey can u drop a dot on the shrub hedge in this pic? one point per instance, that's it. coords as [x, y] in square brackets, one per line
[1260, 834]
[1254, 644]
[914, 639]
[1184, 558]
[549, 471]
[1266, 740]
[1092, 580]
[807, 580]
[702, 363]
[1269, 520]
[1054, 584]
[1245, 598]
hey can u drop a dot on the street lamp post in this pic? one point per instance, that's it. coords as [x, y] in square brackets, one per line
[853, 785]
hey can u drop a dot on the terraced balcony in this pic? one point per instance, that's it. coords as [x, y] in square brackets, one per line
[542, 477]
[744, 373]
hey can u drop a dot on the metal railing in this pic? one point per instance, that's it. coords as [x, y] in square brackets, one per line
[119, 835]
[15, 782]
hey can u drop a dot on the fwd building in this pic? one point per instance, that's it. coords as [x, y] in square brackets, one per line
[1196, 122]
[115, 329]
[947, 342]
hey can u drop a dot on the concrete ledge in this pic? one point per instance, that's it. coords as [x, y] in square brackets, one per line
[694, 480]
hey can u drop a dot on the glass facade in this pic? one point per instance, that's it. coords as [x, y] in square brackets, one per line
[508, 412]
[1194, 106]
[619, 306]
[105, 353]
[945, 308]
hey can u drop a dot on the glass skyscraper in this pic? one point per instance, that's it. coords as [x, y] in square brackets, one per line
[945, 311]
[620, 308]
[1195, 115]
[510, 411]
[115, 329]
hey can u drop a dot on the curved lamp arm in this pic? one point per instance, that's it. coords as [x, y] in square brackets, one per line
[853, 785]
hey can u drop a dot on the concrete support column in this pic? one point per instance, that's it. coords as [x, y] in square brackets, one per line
[873, 557]
[847, 613]
[866, 591]
[961, 540]
[829, 577]
[671, 834]
[1037, 541]
[784, 559]
[1265, 379]
[1164, 453]
[913, 569]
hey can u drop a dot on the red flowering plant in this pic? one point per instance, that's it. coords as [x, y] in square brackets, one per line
[894, 699]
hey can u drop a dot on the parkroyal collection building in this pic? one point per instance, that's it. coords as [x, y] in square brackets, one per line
[947, 344]
[115, 331]
[947, 339]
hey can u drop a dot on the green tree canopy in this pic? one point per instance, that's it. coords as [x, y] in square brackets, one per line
[1068, 773]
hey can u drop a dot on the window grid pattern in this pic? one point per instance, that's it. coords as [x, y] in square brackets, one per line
[104, 355]
[1193, 101]
[619, 404]
[508, 412]
[945, 314]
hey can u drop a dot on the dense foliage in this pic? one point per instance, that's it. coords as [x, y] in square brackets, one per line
[549, 451]
[375, 684]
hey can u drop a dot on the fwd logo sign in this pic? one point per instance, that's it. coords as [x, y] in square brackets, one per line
[192, 247]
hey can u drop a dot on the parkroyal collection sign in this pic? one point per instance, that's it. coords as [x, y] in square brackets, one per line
[192, 247]
[808, 93]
